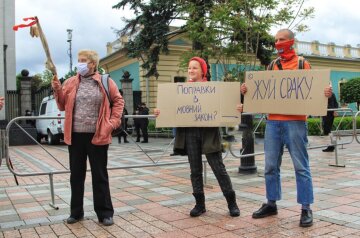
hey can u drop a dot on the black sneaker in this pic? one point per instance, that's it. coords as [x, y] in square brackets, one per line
[306, 218]
[329, 149]
[108, 221]
[72, 220]
[265, 211]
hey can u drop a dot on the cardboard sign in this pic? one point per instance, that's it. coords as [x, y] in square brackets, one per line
[209, 104]
[289, 92]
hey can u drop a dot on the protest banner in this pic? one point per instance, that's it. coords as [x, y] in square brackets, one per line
[210, 104]
[290, 92]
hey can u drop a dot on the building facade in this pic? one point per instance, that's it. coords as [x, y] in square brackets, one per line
[344, 62]
[7, 52]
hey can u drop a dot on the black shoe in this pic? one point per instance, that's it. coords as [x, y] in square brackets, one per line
[144, 141]
[138, 140]
[306, 218]
[107, 221]
[126, 141]
[173, 154]
[200, 205]
[329, 149]
[265, 211]
[72, 220]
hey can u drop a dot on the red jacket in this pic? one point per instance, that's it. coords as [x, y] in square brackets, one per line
[108, 120]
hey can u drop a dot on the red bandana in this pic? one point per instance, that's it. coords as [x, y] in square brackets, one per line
[16, 27]
[285, 49]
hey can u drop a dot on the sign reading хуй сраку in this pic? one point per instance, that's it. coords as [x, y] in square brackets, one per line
[290, 92]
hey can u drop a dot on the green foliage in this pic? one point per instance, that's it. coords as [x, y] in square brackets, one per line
[346, 123]
[339, 122]
[151, 125]
[350, 91]
[18, 81]
[101, 70]
[314, 126]
[46, 78]
[153, 17]
[38, 81]
[232, 30]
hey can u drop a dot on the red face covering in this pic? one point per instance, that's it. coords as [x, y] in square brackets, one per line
[285, 49]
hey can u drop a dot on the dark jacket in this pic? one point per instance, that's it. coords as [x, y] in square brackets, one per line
[210, 140]
[144, 111]
[137, 120]
[124, 121]
[332, 103]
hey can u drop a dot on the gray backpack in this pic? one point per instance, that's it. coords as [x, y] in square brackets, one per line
[105, 83]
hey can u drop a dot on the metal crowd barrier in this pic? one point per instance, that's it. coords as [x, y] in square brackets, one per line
[154, 163]
[66, 170]
[355, 134]
[2, 145]
[333, 137]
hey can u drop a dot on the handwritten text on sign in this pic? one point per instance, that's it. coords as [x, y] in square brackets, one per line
[290, 92]
[198, 104]
[195, 107]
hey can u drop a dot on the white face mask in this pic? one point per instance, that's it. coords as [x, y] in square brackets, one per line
[82, 69]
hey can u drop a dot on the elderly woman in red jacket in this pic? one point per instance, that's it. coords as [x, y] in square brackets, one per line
[89, 121]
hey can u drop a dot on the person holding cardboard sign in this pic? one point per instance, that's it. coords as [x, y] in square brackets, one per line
[195, 141]
[289, 130]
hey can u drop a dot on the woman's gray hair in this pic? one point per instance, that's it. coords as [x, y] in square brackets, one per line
[92, 55]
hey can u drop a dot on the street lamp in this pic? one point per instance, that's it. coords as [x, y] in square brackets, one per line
[69, 39]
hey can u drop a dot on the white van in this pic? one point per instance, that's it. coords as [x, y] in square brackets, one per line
[51, 129]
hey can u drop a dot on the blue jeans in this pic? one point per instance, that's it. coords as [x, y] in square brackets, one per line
[293, 134]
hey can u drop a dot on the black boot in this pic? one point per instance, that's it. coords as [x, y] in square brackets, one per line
[200, 205]
[231, 200]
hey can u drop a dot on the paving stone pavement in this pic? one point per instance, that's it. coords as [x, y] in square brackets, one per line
[155, 201]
